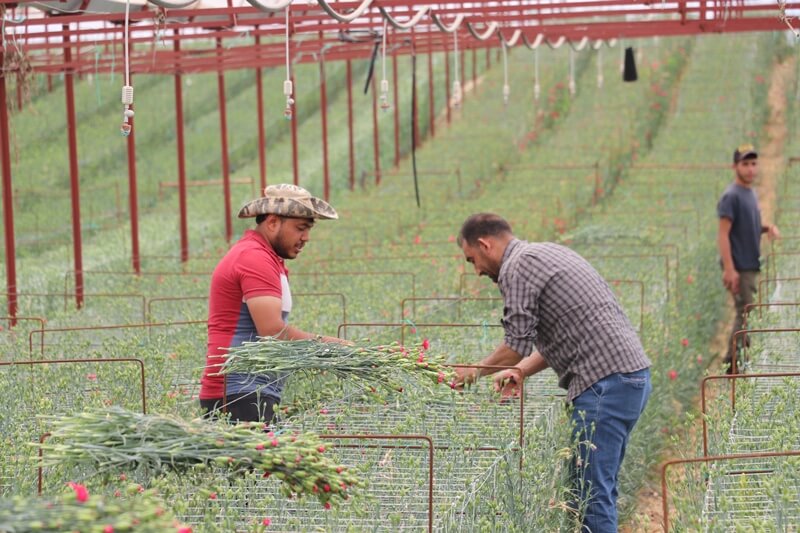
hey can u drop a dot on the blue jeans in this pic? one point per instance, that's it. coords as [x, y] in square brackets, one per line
[604, 416]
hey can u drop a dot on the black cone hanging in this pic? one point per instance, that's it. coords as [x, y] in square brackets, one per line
[629, 72]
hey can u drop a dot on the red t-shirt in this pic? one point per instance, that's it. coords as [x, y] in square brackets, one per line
[250, 268]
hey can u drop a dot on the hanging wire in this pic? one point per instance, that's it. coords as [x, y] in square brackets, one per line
[536, 42]
[787, 19]
[457, 82]
[537, 89]
[491, 28]
[357, 12]
[506, 87]
[444, 27]
[173, 5]
[127, 89]
[97, 55]
[410, 23]
[269, 8]
[599, 68]
[561, 40]
[288, 89]
[384, 82]
[414, 121]
[571, 72]
[126, 55]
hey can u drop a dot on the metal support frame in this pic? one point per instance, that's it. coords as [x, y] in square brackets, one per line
[74, 175]
[732, 378]
[431, 94]
[376, 140]
[8, 198]
[223, 136]
[181, 154]
[447, 80]
[323, 107]
[351, 156]
[707, 459]
[293, 125]
[262, 141]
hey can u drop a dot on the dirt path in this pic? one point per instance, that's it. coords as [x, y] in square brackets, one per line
[771, 156]
[648, 514]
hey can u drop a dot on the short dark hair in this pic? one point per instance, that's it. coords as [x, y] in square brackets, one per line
[482, 225]
[260, 219]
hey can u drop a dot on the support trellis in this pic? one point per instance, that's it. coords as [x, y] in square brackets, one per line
[36, 34]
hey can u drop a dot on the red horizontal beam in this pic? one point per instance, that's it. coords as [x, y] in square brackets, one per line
[553, 21]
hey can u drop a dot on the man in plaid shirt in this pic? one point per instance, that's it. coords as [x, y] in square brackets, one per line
[558, 312]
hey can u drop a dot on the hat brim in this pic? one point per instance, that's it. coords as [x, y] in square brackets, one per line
[314, 208]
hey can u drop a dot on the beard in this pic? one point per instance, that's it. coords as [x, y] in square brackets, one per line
[283, 248]
[281, 251]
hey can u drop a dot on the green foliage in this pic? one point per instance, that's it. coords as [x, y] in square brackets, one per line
[602, 178]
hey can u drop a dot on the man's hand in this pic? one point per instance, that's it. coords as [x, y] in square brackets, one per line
[773, 233]
[337, 340]
[508, 383]
[730, 278]
[465, 376]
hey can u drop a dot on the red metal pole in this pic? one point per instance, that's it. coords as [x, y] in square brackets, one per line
[447, 79]
[223, 135]
[72, 140]
[460, 73]
[181, 155]
[262, 142]
[323, 104]
[49, 77]
[8, 200]
[474, 67]
[350, 125]
[295, 165]
[19, 75]
[133, 198]
[376, 143]
[431, 97]
[396, 111]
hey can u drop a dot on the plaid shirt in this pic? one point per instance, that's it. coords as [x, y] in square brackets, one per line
[556, 302]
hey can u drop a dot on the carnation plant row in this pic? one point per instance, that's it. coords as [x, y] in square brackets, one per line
[744, 473]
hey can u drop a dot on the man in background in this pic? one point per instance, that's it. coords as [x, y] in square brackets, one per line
[739, 238]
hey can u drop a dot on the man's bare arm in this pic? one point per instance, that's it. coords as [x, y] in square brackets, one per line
[267, 316]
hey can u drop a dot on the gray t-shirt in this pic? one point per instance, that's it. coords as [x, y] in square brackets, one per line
[740, 205]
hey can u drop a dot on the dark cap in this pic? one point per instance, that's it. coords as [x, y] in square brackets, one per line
[744, 151]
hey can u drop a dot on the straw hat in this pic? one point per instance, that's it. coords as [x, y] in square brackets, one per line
[289, 201]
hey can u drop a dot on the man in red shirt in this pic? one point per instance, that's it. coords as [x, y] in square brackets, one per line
[250, 297]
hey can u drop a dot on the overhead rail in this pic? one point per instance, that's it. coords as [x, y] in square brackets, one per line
[39, 29]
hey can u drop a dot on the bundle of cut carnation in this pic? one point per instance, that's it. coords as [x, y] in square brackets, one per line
[114, 440]
[77, 510]
[392, 366]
